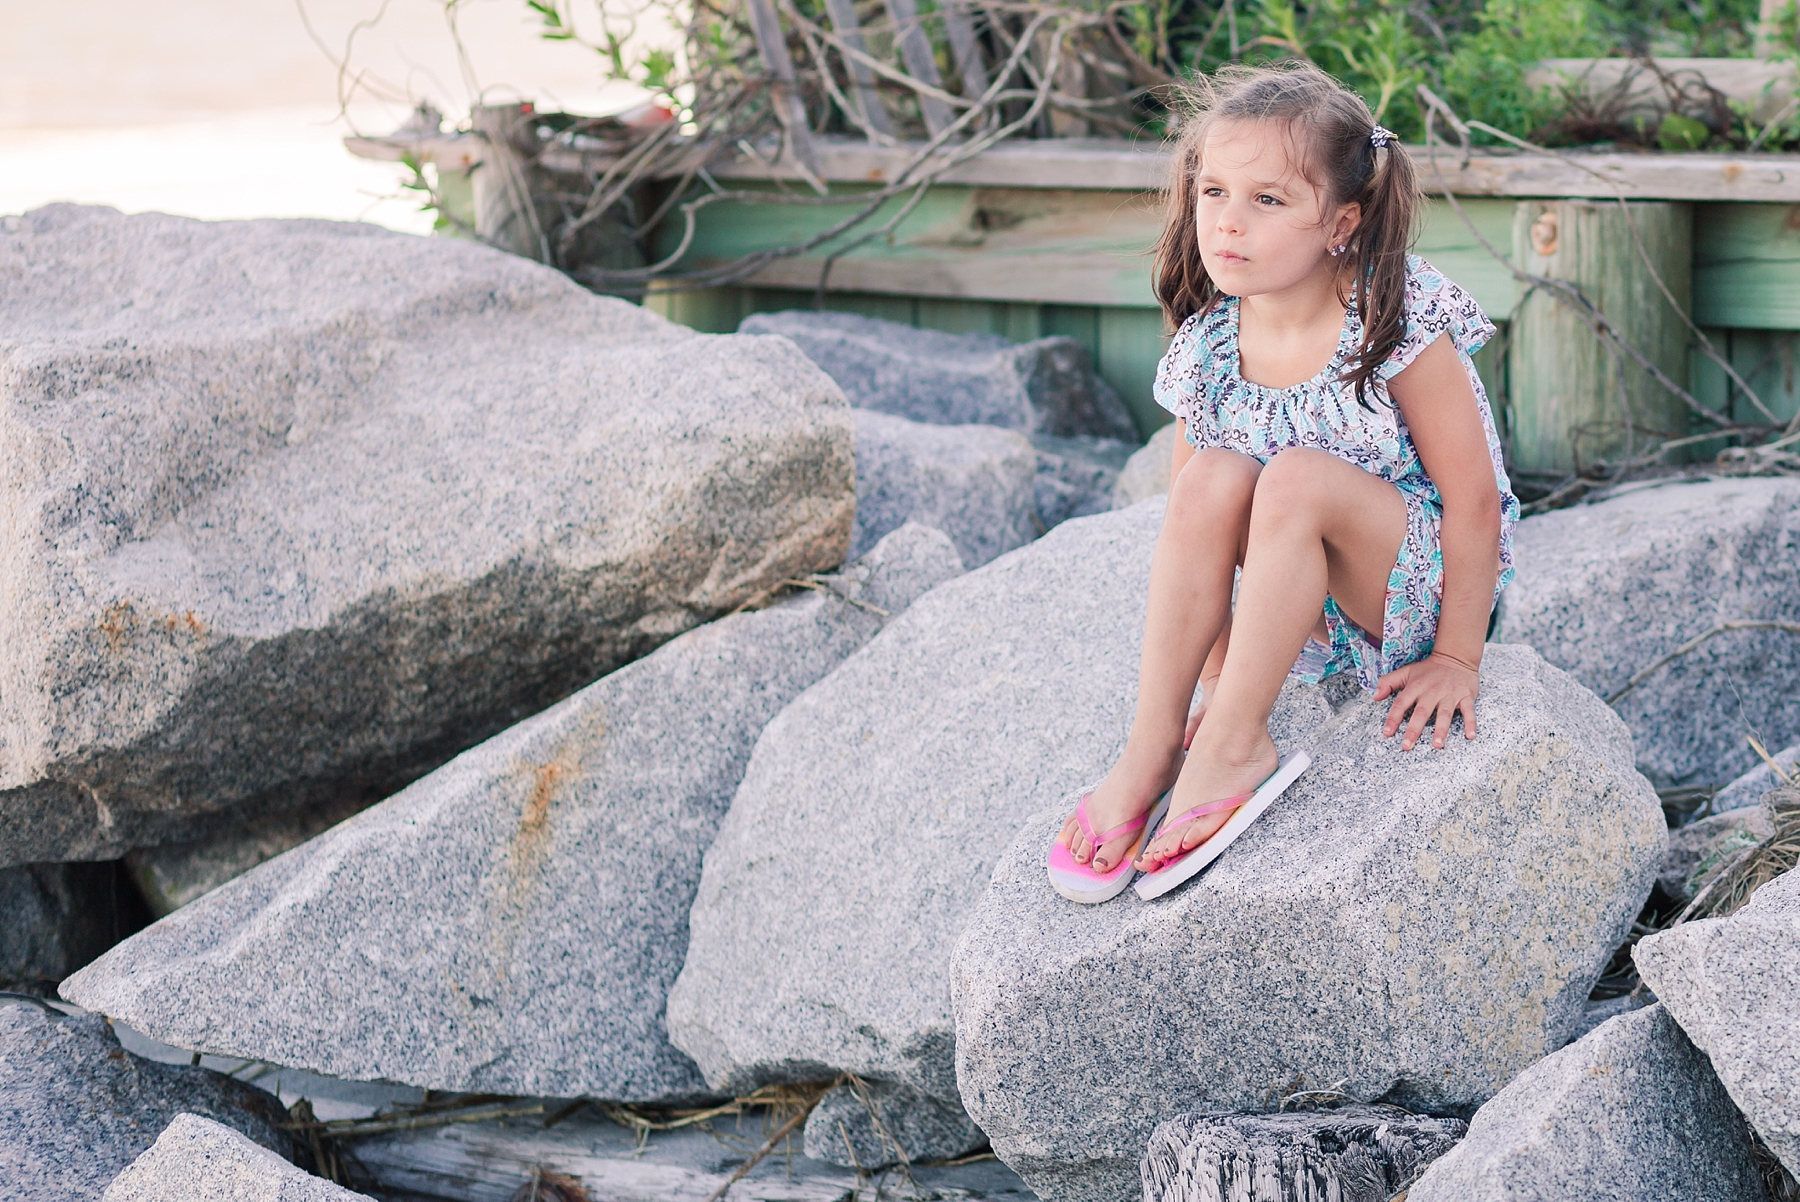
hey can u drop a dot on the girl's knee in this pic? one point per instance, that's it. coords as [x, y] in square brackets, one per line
[1292, 478]
[1214, 480]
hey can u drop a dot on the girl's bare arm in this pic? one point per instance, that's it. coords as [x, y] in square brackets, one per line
[1438, 405]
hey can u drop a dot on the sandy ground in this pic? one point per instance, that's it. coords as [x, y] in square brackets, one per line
[231, 108]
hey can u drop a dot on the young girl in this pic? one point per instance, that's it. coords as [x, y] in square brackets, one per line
[1338, 457]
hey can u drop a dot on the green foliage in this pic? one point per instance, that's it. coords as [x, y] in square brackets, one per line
[1682, 133]
[1484, 74]
[1681, 28]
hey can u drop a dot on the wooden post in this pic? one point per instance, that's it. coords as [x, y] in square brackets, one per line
[1565, 396]
[504, 214]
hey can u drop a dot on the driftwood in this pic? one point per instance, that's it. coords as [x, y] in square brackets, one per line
[1354, 1154]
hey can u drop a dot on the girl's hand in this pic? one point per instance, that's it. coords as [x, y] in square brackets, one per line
[1434, 689]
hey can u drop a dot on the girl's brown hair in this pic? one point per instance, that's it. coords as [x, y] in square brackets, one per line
[1332, 130]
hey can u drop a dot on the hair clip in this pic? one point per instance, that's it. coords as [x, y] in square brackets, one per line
[1380, 137]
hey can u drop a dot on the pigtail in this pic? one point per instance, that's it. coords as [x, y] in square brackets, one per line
[1182, 284]
[1377, 261]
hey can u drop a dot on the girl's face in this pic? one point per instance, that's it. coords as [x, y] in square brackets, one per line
[1262, 225]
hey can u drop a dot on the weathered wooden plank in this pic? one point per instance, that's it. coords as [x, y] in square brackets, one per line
[844, 22]
[1566, 408]
[1768, 360]
[487, 1162]
[921, 64]
[1761, 85]
[771, 47]
[1747, 266]
[1446, 242]
[1114, 164]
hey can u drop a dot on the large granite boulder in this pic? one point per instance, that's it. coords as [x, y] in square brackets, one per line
[975, 483]
[1417, 927]
[874, 1124]
[170, 875]
[198, 1160]
[1047, 386]
[1077, 477]
[1629, 1113]
[512, 922]
[56, 917]
[76, 1108]
[1351, 1154]
[1748, 789]
[1733, 984]
[1146, 473]
[1606, 590]
[876, 805]
[300, 509]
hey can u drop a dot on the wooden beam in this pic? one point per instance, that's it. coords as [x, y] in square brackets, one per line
[1112, 164]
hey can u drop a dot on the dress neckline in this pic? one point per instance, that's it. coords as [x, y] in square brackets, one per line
[1325, 375]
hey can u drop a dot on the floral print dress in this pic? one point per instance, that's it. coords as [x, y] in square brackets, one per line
[1199, 381]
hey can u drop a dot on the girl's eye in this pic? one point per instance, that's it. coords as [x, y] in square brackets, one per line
[1263, 198]
[1212, 191]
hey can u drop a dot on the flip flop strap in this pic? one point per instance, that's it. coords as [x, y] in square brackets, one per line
[1087, 828]
[1211, 807]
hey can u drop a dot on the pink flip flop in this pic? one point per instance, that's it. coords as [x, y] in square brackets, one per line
[1079, 882]
[1249, 808]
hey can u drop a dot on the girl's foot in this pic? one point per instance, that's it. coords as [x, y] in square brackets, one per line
[1129, 791]
[1209, 775]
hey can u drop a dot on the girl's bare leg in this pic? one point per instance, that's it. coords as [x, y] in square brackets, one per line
[1317, 525]
[1201, 543]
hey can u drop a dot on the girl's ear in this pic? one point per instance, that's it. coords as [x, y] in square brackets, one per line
[1349, 218]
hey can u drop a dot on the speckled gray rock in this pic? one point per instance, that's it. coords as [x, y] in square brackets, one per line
[1352, 1154]
[171, 875]
[299, 509]
[1733, 984]
[875, 807]
[76, 1108]
[1076, 476]
[512, 922]
[1699, 849]
[1748, 789]
[1605, 590]
[1418, 925]
[975, 483]
[1146, 473]
[198, 1160]
[1043, 387]
[860, 1129]
[56, 917]
[1629, 1113]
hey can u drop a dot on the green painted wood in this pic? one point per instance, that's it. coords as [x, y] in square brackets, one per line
[1447, 243]
[1131, 343]
[1769, 361]
[1566, 410]
[1747, 266]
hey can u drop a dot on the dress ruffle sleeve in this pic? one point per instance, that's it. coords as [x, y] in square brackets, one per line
[1180, 376]
[1434, 306]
